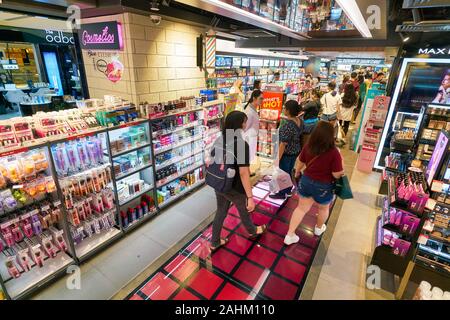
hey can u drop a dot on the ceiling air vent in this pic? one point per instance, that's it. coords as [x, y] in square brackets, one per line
[412, 4]
[424, 27]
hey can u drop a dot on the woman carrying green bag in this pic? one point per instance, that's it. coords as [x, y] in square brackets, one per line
[321, 163]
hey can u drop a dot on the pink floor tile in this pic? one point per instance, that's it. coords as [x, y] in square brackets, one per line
[185, 295]
[268, 207]
[181, 267]
[136, 297]
[231, 222]
[299, 253]
[259, 193]
[292, 203]
[278, 289]
[239, 244]
[205, 283]
[224, 260]
[230, 292]
[262, 256]
[285, 214]
[290, 270]
[251, 275]
[275, 202]
[263, 185]
[272, 241]
[279, 227]
[260, 218]
[234, 211]
[159, 287]
[200, 248]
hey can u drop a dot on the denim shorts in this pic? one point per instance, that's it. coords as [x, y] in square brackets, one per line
[321, 192]
[329, 117]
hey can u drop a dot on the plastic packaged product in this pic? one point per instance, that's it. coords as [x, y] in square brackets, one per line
[124, 217]
[12, 269]
[82, 157]
[36, 223]
[16, 232]
[140, 212]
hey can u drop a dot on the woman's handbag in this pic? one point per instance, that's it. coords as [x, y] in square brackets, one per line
[220, 174]
[343, 189]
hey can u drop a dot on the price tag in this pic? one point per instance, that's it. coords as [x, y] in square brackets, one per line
[18, 186]
[45, 208]
[5, 225]
[35, 211]
[431, 203]
[57, 203]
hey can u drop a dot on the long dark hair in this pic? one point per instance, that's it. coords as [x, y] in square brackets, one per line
[350, 97]
[255, 95]
[234, 120]
[321, 139]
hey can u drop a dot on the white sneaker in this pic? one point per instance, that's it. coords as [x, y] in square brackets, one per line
[319, 231]
[288, 240]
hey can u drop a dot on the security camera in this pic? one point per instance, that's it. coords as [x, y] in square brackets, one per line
[155, 19]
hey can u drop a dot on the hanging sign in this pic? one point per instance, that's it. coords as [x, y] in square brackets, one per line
[101, 36]
[272, 105]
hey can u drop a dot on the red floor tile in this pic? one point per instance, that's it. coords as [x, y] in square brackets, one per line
[239, 244]
[299, 253]
[159, 287]
[231, 222]
[205, 283]
[285, 214]
[200, 248]
[262, 256]
[292, 203]
[230, 292]
[260, 218]
[279, 227]
[234, 211]
[224, 260]
[272, 241]
[278, 289]
[309, 221]
[208, 233]
[307, 238]
[185, 295]
[181, 267]
[290, 270]
[267, 207]
[251, 275]
[136, 297]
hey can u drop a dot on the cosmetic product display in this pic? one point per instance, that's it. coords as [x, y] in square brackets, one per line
[146, 207]
[162, 109]
[131, 162]
[33, 243]
[172, 141]
[129, 138]
[78, 155]
[408, 191]
[425, 291]
[180, 186]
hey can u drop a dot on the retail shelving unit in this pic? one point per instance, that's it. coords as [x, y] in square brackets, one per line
[122, 164]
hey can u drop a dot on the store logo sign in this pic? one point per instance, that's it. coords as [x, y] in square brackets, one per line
[434, 51]
[101, 36]
[58, 37]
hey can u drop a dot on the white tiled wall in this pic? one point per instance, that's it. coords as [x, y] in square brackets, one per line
[159, 61]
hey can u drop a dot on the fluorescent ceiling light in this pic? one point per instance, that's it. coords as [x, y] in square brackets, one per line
[352, 11]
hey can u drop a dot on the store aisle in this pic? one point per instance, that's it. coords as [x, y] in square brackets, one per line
[343, 273]
[112, 269]
[243, 269]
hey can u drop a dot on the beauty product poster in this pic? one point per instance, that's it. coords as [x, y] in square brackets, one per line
[439, 153]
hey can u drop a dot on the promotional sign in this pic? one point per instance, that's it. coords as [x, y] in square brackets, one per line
[272, 105]
[58, 37]
[101, 36]
[359, 61]
[108, 64]
[230, 101]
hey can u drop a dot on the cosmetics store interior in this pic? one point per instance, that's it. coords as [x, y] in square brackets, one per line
[105, 128]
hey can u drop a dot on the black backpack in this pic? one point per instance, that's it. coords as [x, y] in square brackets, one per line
[220, 174]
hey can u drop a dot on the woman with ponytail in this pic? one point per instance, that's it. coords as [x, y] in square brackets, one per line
[252, 128]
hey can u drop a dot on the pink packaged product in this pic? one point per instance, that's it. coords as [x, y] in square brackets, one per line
[7, 235]
[410, 223]
[417, 202]
[401, 247]
[387, 236]
[12, 269]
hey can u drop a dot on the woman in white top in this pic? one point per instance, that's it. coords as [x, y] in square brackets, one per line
[252, 128]
[349, 101]
[237, 88]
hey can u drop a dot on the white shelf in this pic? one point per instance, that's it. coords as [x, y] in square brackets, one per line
[178, 159]
[169, 179]
[95, 241]
[177, 129]
[123, 175]
[197, 108]
[136, 195]
[212, 103]
[172, 199]
[28, 280]
[121, 153]
[178, 144]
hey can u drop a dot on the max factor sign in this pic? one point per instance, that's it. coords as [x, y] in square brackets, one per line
[435, 51]
[101, 36]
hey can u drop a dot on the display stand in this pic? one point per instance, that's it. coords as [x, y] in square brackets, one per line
[123, 164]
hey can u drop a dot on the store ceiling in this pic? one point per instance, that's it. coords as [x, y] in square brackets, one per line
[18, 20]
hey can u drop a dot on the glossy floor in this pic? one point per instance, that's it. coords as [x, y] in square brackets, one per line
[243, 269]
